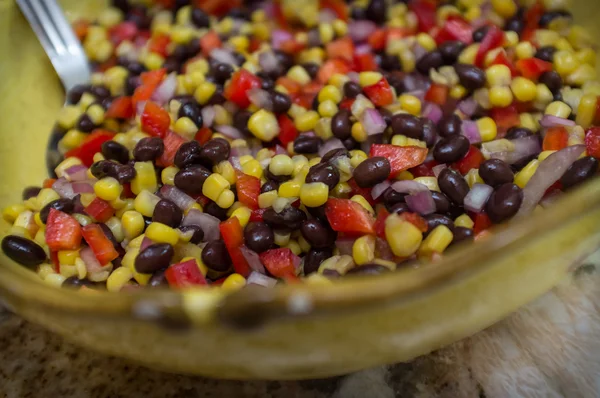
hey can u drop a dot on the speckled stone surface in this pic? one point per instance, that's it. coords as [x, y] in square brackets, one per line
[551, 348]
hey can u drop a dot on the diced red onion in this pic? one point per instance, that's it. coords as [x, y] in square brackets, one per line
[92, 265]
[208, 223]
[553, 121]
[165, 91]
[208, 116]
[314, 38]
[260, 98]
[420, 94]
[252, 259]
[268, 61]
[361, 29]
[409, 186]
[279, 36]
[416, 81]
[330, 144]
[478, 197]
[139, 108]
[470, 130]
[145, 243]
[83, 187]
[373, 122]
[547, 173]
[235, 162]
[327, 15]
[380, 188]
[421, 202]
[279, 150]
[239, 151]
[432, 112]
[353, 76]
[76, 173]
[256, 278]
[229, 131]
[344, 245]
[383, 250]
[468, 106]
[175, 195]
[362, 49]
[438, 169]
[524, 147]
[419, 51]
[64, 188]
[223, 56]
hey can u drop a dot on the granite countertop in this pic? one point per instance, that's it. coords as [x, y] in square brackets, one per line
[551, 348]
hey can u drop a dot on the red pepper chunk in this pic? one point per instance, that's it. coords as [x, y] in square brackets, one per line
[592, 142]
[377, 39]
[350, 217]
[364, 62]
[101, 246]
[426, 14]
[481, 222]
[124, 31]
[340, 48]
[380, 93]
[90, 146]
[415, 220]
[281, 263]
[155, 120]
[237, 89]
[233, 236]
[100, 210]
[556, 138]
[339, 8]
[185, 274]
[150, 81]
[382, 215]
[493, 39]
[437, 93]
[257, 215]
[209, 42]
[159, 43]
[63, 232]
[120, 108]
[455, 29]
[287, 130]
[172, 142]
[248, 189]
[331, 67]
[532, 68]
[400, 157]
[203, 135]
[502, 59]
[505, 118]
[472, 160]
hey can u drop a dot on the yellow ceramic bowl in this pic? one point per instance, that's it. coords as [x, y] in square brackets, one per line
[299, 331]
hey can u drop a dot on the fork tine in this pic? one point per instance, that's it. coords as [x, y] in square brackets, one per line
[37, 27]
[49, 26]
[62, 26]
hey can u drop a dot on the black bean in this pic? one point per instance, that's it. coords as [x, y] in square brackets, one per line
[281, 102]
[197, 233]
[318, 235]
[518, 132]
[386, 115]
[515, 24]
[431, 60]
[192, 111]
[158, 279]
[191, 179]
[453, 185]
[391, 197]
[376, 11]
[104, 168]
[140, 17]
[112, 150]
[269, 186]
[85, 124]
[471, 77]
[285, 60]
[266, 83]
[442, 204]
[553, 80]
[399, 208]
[30, 192]
[546, 53]
[216, 211]
[430, 132]
[314, 105]
[352, 89]
[504, 202]
[451, 149]
[358, 13]
[450, 51]
[450, 125]
[154, 257]
[278, 178]
[579, 171]
[480, 33]
[200, 18]
[76, 92]
[341, 126]
[100, 92]
[389, 62]
[240, 120]
[222, 72]
[125, 173]
[289, 218]
[325, 173]
[259, 236]
[462, 234]
[408, 125]
[368, 269]
[73, 282]
[434, 220]
[311, 68]
[496, 172]
[148, 149]
[187, 154]
[136, 68]
[166, 212]
[314, 258]
[372, 171]
[63, 204]
[350, 143]
[216, 256]
[24, 251]
[215, 151]
[334, 154]
[318, 213]
[306, 144]
[549, 16]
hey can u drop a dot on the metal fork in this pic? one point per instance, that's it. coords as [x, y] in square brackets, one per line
[59, 41]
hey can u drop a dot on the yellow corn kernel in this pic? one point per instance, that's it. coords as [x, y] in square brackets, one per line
[357, 157]
[108, 188]
[586, 56]
[86, 198]
[82, 220]
[46, 196]
[363, 250]
[523, 176]
[44, 270]
[327, 108]
[281, 165]
[544, 95]
[299, 74]
[145, 179]
[403, 237]
[225, 168]
[341, 190]
[153, 61]
[242, 213]
[118, 278]
[464, 221]
[234, 282]
[225, 199]
[281, 238]
[314, 194]
[214, 185]
[363, 202]
[458, 91]
[326, 32]
[133, 224]
[358, 132]
[581, 75]
[558, 109]
[253, 168]
[167, 176]
[472, 177]
[72, 139]
[498, 75]
[501, 97]
[565, 62]
[115, 226]
[544, 155]
[126, 207]
[304, 245]
[304, 122]
[128, 262]
[586, 111]
[467, 56]
[524, 89]
[487, 129]
[204, 92]
[340, 264]
[405, 175]
[264, 153]
[410, 104]
[511, 39]
[437, 241]
[426, 41]
[504, 8]
[67, 257]
[185, 127]
[323, 128]
[330, 93]
[266, 199]
[430, 182]
[145, 203]
[472, 13]
[162, 233]
[525, 50]
[407, 60]
[263, 124]
[294, 247]
[55, 280]
[290, 189]
[10, 213]
[68, 116]
[68, 270]
[369, 78]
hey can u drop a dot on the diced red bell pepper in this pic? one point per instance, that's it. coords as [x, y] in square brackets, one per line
[347, 103]
[532, 19]
[455, 28]
[281, 263]
[150, 81]
[339, 7]
[380, 93]
[426, 14]
[257, 215]
[415, 220]
[364, 192]
[48, 182]
[209, 42]
[502, 59]
[241, 82]
[90, 146]
[556, 138]
[185, 274]
[233, 236]
[592, 142]
[377, 39]
[102, 247]
[287, 130]
[120, 108]
[424, 170]
[127, 192]
[340, 48]
[159, 43]
[100, 210]
[172, 142]
[364, 62]
[401, 157]
[217, 8]
[471, 160]
[155, 120]
[248, 189]
[292, 86]
[203, 135]
[505, 118]
[532, 68]
[437, 93]
[481, 222]
[154, 77]
[81, 27]
[54, 259]
[382, 215]
[347, 216]
[292, 46]
[63, 232]
[331, 67]
[493, 39]
[124, 31]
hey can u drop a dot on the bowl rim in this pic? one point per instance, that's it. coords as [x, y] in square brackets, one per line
[288, 302]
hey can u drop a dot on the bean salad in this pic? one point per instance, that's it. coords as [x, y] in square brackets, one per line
[234, 143]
